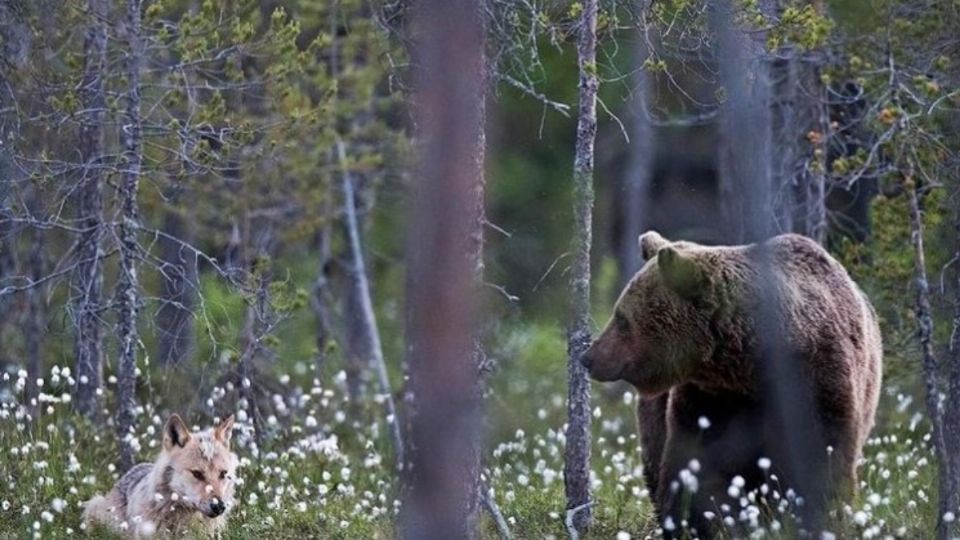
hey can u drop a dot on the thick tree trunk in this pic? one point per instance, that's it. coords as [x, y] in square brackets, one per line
[636, 191]
[812, 166]
[367, 320]
[576, 466]
[950, 498]
[801, 128]
[444, 465]
[87, 278]
[8, 262]
[744, 161]
[174, 319]
[128, 287]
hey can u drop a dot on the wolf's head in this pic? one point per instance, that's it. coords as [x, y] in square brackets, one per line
[199, 470]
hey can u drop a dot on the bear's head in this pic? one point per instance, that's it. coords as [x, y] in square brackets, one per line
[660, 331]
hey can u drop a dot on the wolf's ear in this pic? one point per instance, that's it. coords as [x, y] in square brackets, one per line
[224, 430]
[682, 272]
[175, 433]
[650, 243]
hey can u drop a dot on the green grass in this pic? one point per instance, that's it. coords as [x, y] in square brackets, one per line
[49, 465]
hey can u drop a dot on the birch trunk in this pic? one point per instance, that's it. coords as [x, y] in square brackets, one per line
[128, 288]
[576, 466]
[87, 277]
[478, 218]
[370, 334]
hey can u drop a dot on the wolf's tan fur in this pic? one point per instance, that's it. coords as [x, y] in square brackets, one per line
[166, 497]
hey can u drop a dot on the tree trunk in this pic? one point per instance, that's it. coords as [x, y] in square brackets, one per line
[800, 129]
[8, 260]
[443, 497]
[478, 220]
[356, 343]
[576, 465]
[745, 128]
[128, 288]
[321, 302]
[813, 165]
[950, 499]
[367, 323]
[174, 319]
[87, 278]
[929, 366]
[32, 324]
[633, 203]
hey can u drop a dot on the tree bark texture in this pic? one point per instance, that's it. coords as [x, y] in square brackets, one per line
[87, 278]
[951, 415]
[443, 497]
[745, 127]
[633, 203]
[174, 318]
[367, 323]
[128, 287]
[929, 364]
[576, 466]
[33, 316]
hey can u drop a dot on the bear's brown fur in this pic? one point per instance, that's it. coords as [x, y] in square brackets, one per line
[771, 346]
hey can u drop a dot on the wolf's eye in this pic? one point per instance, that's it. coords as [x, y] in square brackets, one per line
[198, 475]
[223, 474]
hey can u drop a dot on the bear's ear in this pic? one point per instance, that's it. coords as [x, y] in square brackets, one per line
[682, 273]
[650, 243]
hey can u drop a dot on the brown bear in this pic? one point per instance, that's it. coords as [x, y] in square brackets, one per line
[759, 369]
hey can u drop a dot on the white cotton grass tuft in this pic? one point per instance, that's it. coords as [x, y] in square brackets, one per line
[348, 480]
[58, 505]
[146, 528]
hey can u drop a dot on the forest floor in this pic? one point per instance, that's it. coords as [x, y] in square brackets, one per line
[325, 473]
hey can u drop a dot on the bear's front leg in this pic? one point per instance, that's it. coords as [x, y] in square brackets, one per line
[687, 487]
[652, 425]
